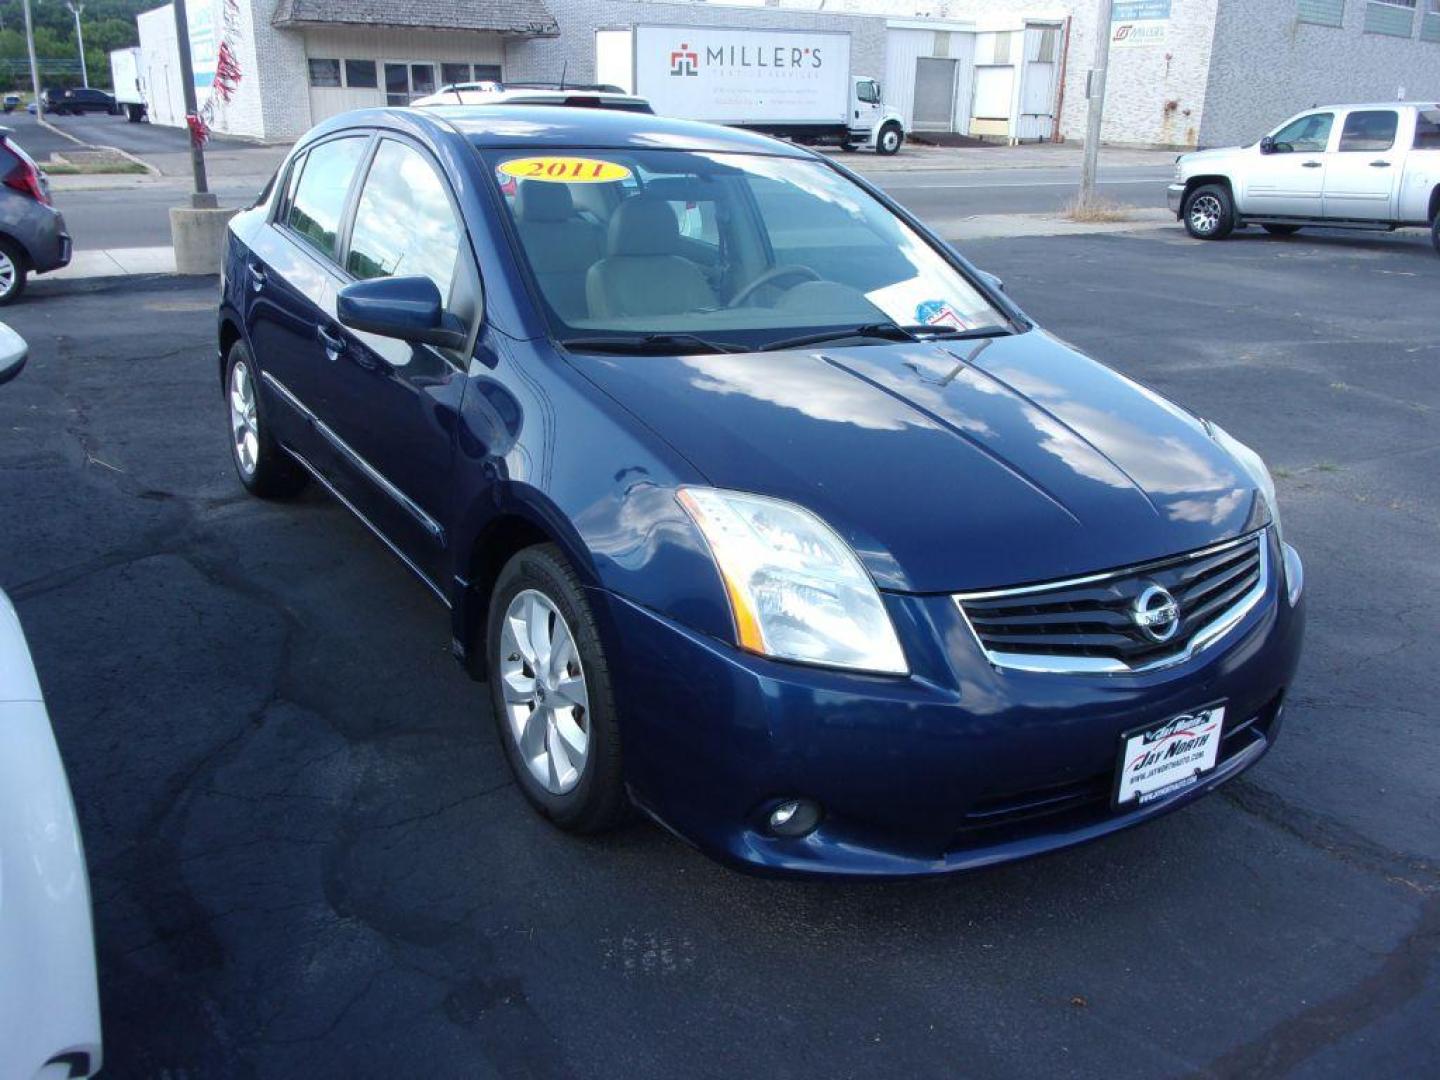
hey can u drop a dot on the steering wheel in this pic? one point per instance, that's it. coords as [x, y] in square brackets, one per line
[769, 277]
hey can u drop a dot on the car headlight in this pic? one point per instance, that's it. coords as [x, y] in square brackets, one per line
[1254, 467]
[796, 590]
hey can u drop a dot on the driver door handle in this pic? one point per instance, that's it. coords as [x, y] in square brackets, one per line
[333, 342]
[1382, 164]
[1311, 164]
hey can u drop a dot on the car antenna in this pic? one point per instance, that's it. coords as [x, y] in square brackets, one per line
[563, 68]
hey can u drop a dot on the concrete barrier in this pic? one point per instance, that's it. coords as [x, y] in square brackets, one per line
[199, 238]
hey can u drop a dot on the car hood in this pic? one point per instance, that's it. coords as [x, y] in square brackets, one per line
[1199, 157]
[968, 465]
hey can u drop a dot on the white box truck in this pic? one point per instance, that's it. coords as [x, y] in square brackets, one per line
[125, 77]
[792, 83]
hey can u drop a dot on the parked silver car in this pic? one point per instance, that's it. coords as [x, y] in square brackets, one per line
[1371, 167]
[33, 239]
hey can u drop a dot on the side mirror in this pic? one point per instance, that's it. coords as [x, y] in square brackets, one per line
[13, 353]
[407, 308]
[1267, 145]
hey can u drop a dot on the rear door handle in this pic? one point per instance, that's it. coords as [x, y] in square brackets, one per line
[1379, 164]
[257, 276]
[1311, 164]
[333, 342]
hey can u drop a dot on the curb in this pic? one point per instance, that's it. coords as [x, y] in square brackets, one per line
[151, 169]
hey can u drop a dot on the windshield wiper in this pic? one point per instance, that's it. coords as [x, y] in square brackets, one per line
[956, 333]
[883, 331]
[658, 344]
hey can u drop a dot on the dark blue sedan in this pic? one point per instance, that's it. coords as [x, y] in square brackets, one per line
[756, 506]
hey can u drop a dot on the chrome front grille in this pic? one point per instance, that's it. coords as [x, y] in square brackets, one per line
[1090, 624]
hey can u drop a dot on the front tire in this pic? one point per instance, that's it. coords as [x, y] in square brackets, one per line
[1281, 230]
[1209, 213]
[889, 140]
[263, 467]
[551, 693]
[14, 271]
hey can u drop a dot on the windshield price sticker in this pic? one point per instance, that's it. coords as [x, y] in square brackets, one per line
[565, 170]
[1162, 760]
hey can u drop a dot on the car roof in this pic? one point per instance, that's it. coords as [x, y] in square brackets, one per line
[558, 127]
[1377, 105]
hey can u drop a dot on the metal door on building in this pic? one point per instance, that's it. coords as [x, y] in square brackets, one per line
[406, 81]
[934, 94]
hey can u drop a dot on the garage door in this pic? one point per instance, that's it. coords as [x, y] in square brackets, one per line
[994, 89]
[934, 94]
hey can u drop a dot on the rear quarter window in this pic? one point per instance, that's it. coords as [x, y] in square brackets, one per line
[1427, 129]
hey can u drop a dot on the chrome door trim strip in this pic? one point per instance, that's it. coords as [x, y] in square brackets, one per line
[1090, 579]
[1208, 635]
[319, 476]
[374, 475]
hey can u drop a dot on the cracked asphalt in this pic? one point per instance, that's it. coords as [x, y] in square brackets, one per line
[308, 859]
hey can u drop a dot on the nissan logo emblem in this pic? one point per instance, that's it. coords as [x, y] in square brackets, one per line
[1156, 613]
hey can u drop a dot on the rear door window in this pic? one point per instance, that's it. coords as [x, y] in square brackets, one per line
[319, 201]
[1369, 131]
[404, 223]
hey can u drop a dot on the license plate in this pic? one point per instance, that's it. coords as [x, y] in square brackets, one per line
[1162, 759]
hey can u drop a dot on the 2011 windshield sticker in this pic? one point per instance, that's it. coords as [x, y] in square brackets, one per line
[565, 170]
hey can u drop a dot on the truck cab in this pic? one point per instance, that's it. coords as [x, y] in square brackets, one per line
[872, 122]
[1373, 167]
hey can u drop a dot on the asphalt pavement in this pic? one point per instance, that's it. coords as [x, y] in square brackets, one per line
[307, 856]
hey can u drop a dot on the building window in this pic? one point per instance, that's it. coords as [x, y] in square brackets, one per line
[487, 72]
[1394, 18]
[324, 72]
[360, 75]
[453, 74]
[1321, 12]
[1002, 48]
[1045, 50]
[422, 79]
[1430, 24]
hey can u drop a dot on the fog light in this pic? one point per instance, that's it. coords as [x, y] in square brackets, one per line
[794, 817]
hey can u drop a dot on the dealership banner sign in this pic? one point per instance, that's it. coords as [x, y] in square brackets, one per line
[1138, 24]
[739, 76]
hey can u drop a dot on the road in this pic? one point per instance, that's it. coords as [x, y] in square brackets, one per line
[138, 215]
[308, 858]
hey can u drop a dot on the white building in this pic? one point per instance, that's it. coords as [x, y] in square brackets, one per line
[1182, 72]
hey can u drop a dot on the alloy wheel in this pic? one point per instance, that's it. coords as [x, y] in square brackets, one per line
[543, 685]
[1205, 214]
[8, 274]
[244, 424]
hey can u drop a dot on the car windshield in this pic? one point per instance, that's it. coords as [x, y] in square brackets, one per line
[737, 250]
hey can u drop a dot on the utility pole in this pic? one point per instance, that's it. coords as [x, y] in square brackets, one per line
[76, 9]
[34, 67]
[201, 198]
[1095, 93]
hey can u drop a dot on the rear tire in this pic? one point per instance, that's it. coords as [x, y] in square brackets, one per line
[1281, 230]
[14, 271]
[263, 467]
[581, 788]
[1209, 213]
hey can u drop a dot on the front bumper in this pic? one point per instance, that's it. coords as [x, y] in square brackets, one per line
[1175, 198]
[958, 766]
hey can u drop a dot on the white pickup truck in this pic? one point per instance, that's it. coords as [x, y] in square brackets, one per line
[1342, 166]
